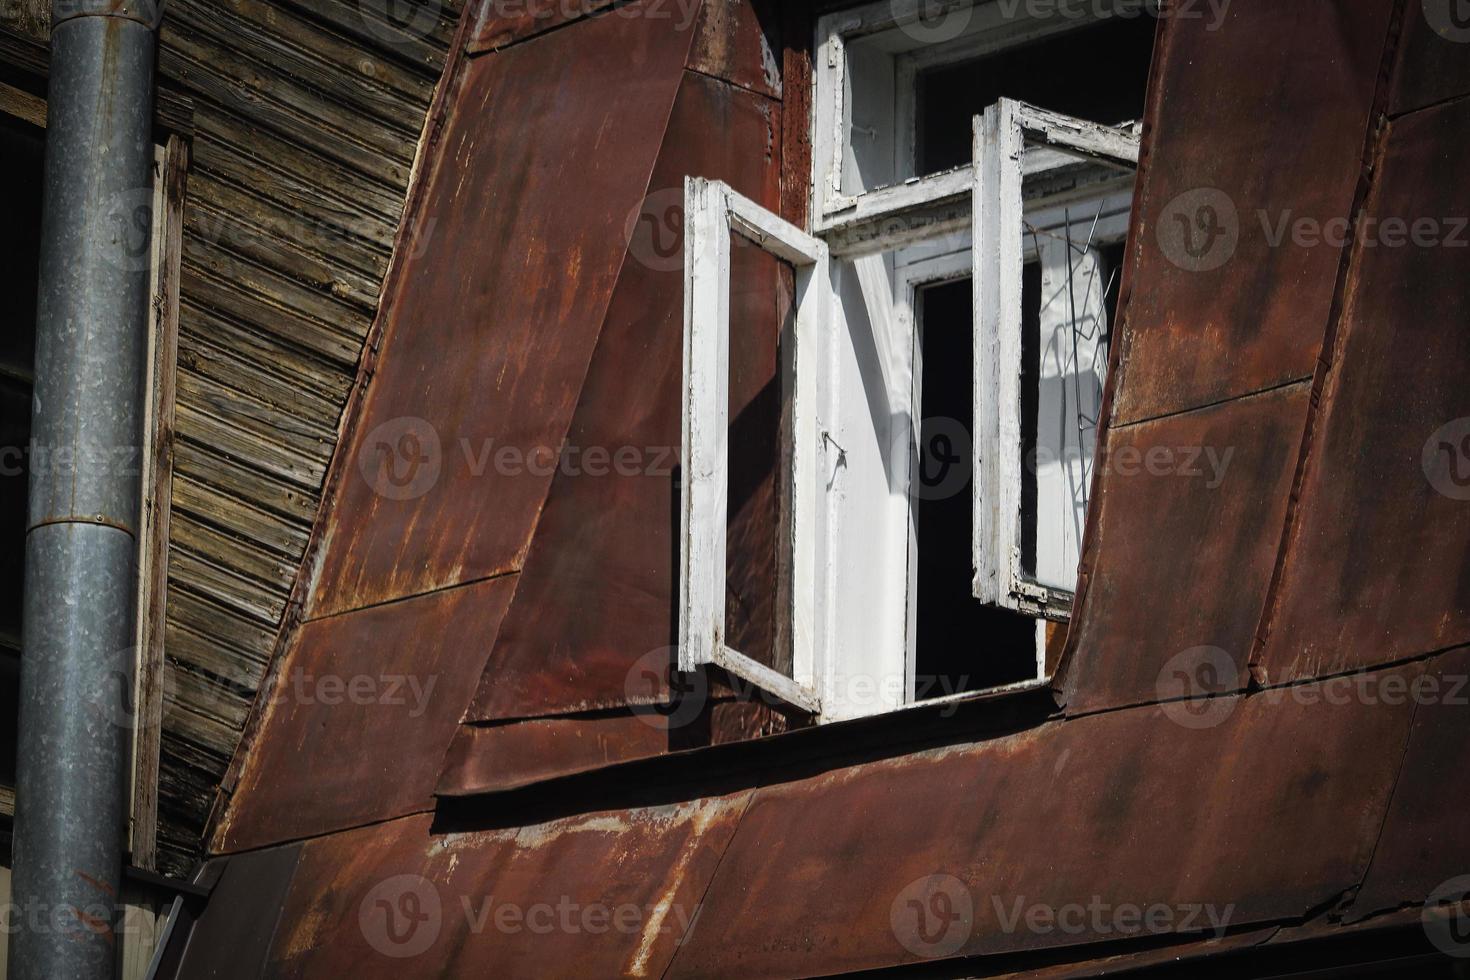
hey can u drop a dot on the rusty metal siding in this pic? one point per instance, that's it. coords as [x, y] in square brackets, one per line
[659, 860]
[1274, 808]
[1432, 64]
[598, 591]
[1241, 315]
[232, 938]
[1376, 568]
[364, 708]
[501, 25]
[1424, 839]
[1197, 535]
[1290, 806]
[550, 146]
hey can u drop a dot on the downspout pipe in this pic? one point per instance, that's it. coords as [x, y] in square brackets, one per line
[77, 661]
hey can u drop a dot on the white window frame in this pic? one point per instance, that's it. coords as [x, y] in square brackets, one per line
[908, 220]
[1002, 161]
[906, 208]
[712, 213]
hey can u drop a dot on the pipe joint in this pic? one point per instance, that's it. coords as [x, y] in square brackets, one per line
[149, 13]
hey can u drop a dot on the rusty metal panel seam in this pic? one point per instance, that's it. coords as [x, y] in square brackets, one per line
[426, 163]
[1375, 145]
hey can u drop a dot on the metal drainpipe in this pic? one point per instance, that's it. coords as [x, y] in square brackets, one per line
[72, 788]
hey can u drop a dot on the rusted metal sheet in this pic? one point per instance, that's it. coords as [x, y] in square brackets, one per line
[1187, 516]
[232, 937]
[1265, 123]
[500, 757]
[1268, 812]
[1376, 568]
[494, 758]
[549, 148]
[504, 22]
[600, 895]
[738, 41]
[1192, 951]
[597, 597]
[361, 714]
[1426, 837]
[1433, 65]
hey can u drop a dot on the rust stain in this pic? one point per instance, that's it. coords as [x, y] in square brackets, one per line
[521, 215]
[1302, 76]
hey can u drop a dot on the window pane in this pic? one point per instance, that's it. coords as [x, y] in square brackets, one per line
[959, 644]
[761, 305]
[1099, 73]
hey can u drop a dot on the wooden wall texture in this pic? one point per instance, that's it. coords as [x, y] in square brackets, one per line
[304, 118]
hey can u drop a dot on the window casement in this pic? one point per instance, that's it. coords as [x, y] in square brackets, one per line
[713, 213]
[947, 368]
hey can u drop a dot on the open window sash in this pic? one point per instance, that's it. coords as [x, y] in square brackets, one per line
[1027, 159]
[712, 212]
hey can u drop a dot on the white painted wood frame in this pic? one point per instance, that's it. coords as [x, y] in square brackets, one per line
[1002, 135]
[712, 213]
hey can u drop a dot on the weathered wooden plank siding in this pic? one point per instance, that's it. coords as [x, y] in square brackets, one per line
[306, 122]
[305, 118]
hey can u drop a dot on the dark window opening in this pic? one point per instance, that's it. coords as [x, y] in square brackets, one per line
[22, 152]
[1099, 73]
[960, 645]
